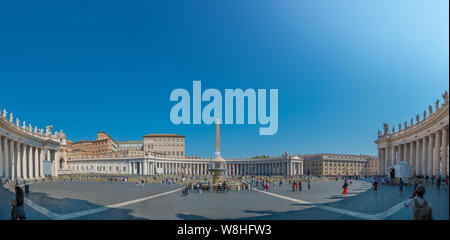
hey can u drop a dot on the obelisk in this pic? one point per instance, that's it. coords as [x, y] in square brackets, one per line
[217, 153]
[217, 168]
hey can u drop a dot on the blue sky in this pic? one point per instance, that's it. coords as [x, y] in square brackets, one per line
[342, 67]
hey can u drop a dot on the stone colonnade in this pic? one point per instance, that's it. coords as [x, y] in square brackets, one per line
[423, 145]
[24, 161]
[176, 167]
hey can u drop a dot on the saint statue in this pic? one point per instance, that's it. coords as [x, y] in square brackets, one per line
[412, 122]
[11, 118]
[386, 128]
[424, 114]
[437, 104]
[379, 132]
[4, 113]
[445, 97]
[17, 122]
[417, 118]
[399, 127]
[430, 109]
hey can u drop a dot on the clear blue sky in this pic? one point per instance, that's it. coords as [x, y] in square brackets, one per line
[342, 67]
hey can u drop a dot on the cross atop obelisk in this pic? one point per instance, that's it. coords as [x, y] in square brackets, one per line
[217, 153]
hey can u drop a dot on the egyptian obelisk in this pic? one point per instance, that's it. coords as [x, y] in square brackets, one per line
[217, 153]
[216, 166]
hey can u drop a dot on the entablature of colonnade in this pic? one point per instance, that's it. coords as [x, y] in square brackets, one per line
[10, 128]
[433, 123]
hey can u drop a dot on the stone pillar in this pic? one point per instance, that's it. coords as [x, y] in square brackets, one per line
[146, 167]
[31, 162]
[444, 152]
[430, 155]
[391, 160]
[379, 160]
[12, 157]
[423, 167]
[417, 163]
[411, 156]
[41, 163]
[5, 158]
[437, 153]
[36, 162]
[56, 162]
[19, 161]
[1, 156]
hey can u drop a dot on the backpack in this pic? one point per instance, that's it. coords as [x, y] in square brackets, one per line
[422, 212]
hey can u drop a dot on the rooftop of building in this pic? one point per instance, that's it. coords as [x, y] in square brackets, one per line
[335, 154]
[163, 135]
[130, 142]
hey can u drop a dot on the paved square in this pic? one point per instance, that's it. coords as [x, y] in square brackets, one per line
[114, 200]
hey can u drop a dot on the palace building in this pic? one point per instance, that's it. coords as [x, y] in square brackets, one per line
[325, 164]
[423, 144]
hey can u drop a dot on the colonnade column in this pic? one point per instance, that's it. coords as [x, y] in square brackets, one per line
[30, 162]
[411, 156]
[379, 162]
[430, 155]
[36, 162]
[444, 152]
[423, 168]
[405, 152]
[11, 156]
[417, 163]
[41, 162]
[19, 161]
[437, 153]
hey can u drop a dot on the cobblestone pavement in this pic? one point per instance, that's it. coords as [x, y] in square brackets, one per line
[114, 200]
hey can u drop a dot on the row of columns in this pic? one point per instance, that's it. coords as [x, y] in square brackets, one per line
[148, 167]
[20, 160]
[428, 155]
[277, 168]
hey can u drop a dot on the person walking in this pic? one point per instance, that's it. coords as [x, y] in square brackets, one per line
[345, 192]
[438, 183]
[420, 208]
[309, 184]
[17, 211]
[400, 183]
[375, 186]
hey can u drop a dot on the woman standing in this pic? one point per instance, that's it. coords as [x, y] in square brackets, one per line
[18, 211]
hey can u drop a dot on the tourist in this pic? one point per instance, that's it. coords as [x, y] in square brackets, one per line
[420, 208]
[299, 185]
[309, 184]
[446, 182]
[345, 192]
[400, 183]
[17, 211]
[293, 186]
[375, 185]
[438, 183]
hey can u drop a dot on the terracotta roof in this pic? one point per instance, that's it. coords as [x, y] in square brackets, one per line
[163, 135]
